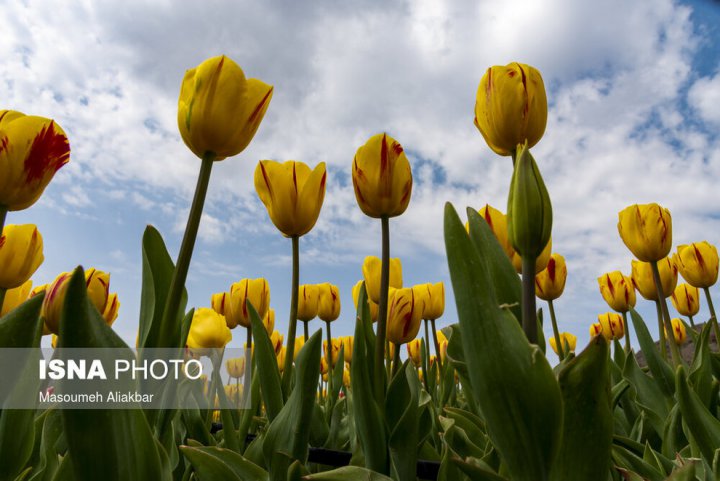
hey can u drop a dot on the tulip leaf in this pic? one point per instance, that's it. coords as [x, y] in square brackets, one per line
[511, 379]
[684, 473]
[270, 384]
[348, 473]
[20, 328]
[648, 390]
[157, 273]
[401, 411]
[367, 417]
[288, 435]
[48, 461]
[673, 437]
[660, 369]
[117, 443]
[587, 418]
[475, 471]
[212, 463]
[704, 427]
[701, 370]
[627, 460]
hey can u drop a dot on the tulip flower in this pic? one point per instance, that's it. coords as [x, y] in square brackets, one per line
[698, 263]
[679, 331]
[236, 311]
[332, 356]
[569, 342]
[497, 221]
[511, 107]
[208, 330]
[371, 273]
[276, 339]
[443, 350]
[21, 253]
[381, 177]
[219, 110]
[549, 285]
[280, 356]
[308, 302]
[435, 304]
[646, 230]
[299, 343]
[346, 377]
[686, 300]
[328, 302]
[372, 305]
[610, 325]
[642, 278]
[403, 316]
[347, 342]
[97, 283]
[112, 307]
[618, 291]
[217, 302]
[32, 149]
[414, 352]
[16, 296]
[292, 193]
[236, 367]
[269, 321]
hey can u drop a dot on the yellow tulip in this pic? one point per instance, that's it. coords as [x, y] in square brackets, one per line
[98, 284]
[646, 230]
[618, 291]
[16, 296]
[569, 342]
[281, 358]
[328, 302]
[497, 221]
[611, 326]
[443, 350]
[292, 194]
[21, 253]
[276, 339]
[299, 343]
[256, 291]
[403, 321]
[550, 282]
[414, 352]
[236, 367]
[372, 305]
[112, 307]
[219, 110]
[541, 262]
[698, 263]
[217, 302]
[32, 149]
[686, 299]
[422, 298]
[324, 365]
[347, 342]
[307, 302]
[269, 321]
[208, 330]
[679, 332]
[382, 177]
[435, 303]
[232, 392]
[37, 290]
[511, 107]
[335, 345]
[371, 273]
[53, 341]
[346, 377]
[643, 279]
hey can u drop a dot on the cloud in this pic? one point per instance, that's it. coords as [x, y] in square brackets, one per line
[704, 96]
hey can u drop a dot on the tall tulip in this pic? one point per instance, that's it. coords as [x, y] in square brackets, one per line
[686, 300]
[618, 291]
[236, 312]
[372, 270]
[208, 330]
[403, 316]
[549, 285]
[307, 305]
[698, 264]
[646, 230]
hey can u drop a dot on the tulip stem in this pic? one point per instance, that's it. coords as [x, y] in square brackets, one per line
[437, 344]
[305, 330]
[661, 330]
[692, 322]
[556, 331]
[2, 297]
[529, 320]
[292, 324]
[710, 306]
[396, 360]
[427, 343]
[627, 333]
[248, 371]
[382, 314]
[3, 216]
[674, 351]
[168, 326]
[328, 352]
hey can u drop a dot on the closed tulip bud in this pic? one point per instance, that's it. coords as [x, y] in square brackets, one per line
[403, 321]
[32, 149]
[679, 331]
[497, 221]
[371, 273]
[698, 263]
[236, 311]
[324, 365]
[269, 321]
[550, 282]
[308, 297]
[236, 367]
[299, 343]
[219, 110]
[292, 194]
[529, 217]
[347, 343]
[97, 283]
[382, 177]
[618, 291]
[281, 358]
[328, 302]
[112, 308]
[346, 377]
[540, 263]
[413, 349]
[569, 342]
[612, 325]
[642, 278]
[208, 330]
[335, 346]
[16, 296]
[276, 339]
[443, 350]
[435, 304]
[21, 253]
[646, 230]
[511, 107]
[686, 299]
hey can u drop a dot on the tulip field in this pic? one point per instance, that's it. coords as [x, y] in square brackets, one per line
[398, 400]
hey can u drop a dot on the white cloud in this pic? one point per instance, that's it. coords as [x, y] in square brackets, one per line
[704, 96]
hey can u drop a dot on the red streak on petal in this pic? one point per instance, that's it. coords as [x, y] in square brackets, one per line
[701, 261]
[255, 115]
[551, 269]
[384, 163]
[2, 240]
[4, 142]
[49, 151]
[610, 285]
[267, 180]
[397, 148]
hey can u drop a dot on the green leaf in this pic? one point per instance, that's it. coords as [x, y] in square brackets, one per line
[348, 473]
[660, 369]
[117, 443]
[701, 370]
[157, 272]
[270, 385]
[704, 427]
[685, 473]
[212, 463]
[512, 381]
[629, 461]
[648, 392]
[401, 410]
[587, 419]
[48, 463]
[288, 435]
[476, 471]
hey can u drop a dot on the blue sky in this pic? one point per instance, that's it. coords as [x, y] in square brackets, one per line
[633, 87]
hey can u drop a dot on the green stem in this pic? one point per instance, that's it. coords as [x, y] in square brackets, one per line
[382, 314]
[627, 333]
[3, 216]
[305, 330]
[328, 353]
[2, 297]
[172, 304]
[292, 324]
[529, 320]
[661, 330]
[437, 344]
[712, 313]
[396, 360]
[248, 368]
[556, 331]
[427, 342]
[692, 322]
[674, 351]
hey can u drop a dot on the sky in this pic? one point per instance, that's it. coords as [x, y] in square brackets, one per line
[633, 91]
